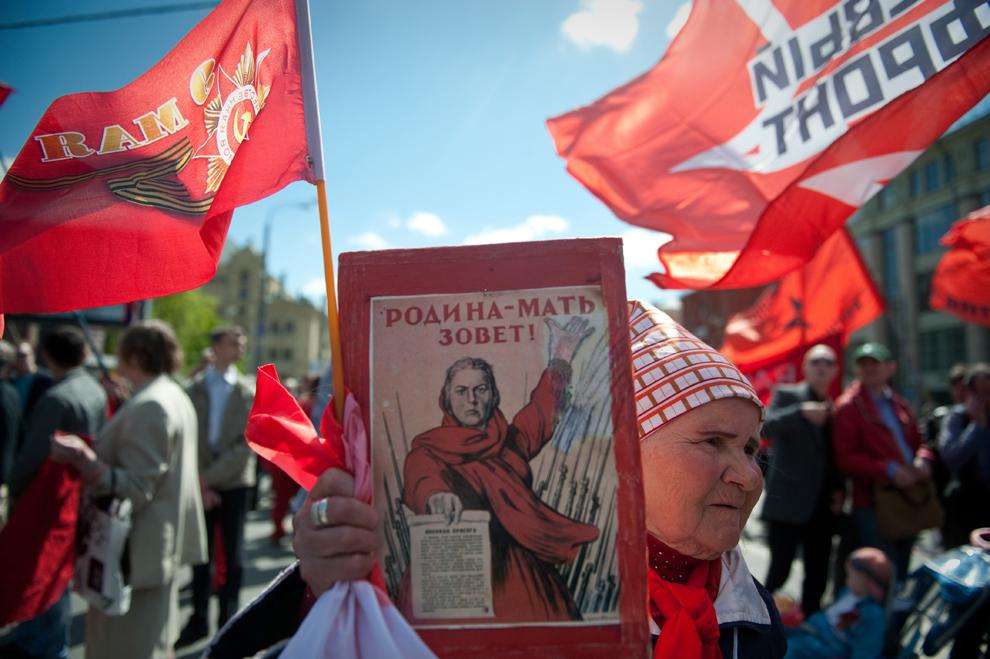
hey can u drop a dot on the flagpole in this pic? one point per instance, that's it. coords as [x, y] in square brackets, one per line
[314, 140]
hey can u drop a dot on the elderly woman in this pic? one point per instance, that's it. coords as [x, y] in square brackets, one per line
[699, 424]
[699, 421]
[146, 453]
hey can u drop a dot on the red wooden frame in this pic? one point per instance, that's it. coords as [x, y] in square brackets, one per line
[365, 275]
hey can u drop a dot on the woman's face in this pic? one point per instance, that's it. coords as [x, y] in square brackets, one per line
[471, 397]
[700, 477]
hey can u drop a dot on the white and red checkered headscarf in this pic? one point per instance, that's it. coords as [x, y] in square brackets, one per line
[674, 371]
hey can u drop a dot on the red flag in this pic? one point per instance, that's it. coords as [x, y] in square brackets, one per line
[832, 295]
[38, 544]
[124, 195]
[4, 92]
[767, 123]
[961, 283]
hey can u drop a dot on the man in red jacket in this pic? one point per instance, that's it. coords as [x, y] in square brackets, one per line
[876, 441]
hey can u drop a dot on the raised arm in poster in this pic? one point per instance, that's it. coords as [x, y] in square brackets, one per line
[500, 421]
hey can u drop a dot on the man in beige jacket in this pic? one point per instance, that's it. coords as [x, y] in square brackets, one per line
[222, 399]
[146, 453]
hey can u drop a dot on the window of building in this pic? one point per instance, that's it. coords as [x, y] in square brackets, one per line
[932, 225]
[931, 176]
[244, 276]
[949, 168]
[290, 326]
[887, 197]
[981, 154]
[891, 284]
[273, 328]
[243, 293]
[940, 348]
[914, 183]
[273, 354]
[287, 353]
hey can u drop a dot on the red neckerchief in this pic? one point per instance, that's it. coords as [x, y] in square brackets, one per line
[682, 594]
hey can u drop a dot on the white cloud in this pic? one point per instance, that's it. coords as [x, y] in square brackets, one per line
[610, 23]
[533, 227]
[427, 224]
[370, 240]
[679, 19]
[314, 289]
[639, 248]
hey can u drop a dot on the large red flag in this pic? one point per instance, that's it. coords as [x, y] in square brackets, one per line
[123, 195]
[832, 295]
[961, 283]
[768, 122]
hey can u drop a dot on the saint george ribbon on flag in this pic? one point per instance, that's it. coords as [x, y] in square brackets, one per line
[961, 283]
[768, 122]
[124, 195]
[825, 301]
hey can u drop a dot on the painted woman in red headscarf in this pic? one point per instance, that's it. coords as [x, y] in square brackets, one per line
[478, 460]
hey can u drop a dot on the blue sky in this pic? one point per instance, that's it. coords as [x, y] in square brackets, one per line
[432, 111]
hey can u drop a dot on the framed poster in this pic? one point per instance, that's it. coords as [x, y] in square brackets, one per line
[496, 391]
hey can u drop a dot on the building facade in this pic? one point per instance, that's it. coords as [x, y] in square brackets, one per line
[898, 233]
[291, 332]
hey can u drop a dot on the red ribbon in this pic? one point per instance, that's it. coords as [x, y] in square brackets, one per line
[281, 432]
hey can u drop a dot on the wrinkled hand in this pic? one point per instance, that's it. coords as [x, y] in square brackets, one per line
[343, 551]
[564, 341]
[447, 504]
[904, 477]
[74, 451]
[816, 413]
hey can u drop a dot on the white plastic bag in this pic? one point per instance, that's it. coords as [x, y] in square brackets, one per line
[99, 576]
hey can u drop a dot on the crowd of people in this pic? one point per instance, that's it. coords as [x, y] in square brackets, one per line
[173, 446]
[848, 485]
[863, 471]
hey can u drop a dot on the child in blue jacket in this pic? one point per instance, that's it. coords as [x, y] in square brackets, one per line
[853, 626]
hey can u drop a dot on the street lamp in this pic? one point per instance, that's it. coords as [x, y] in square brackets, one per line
[266, 243]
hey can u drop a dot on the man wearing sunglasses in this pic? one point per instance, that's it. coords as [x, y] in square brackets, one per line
[803, 489]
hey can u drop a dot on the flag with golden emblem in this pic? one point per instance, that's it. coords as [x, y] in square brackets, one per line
[123, 195]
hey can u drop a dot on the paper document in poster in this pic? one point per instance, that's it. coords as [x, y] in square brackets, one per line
[451, 568]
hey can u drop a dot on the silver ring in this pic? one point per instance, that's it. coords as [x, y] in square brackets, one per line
[318, 513]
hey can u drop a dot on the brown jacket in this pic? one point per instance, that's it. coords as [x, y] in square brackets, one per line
[231, 464]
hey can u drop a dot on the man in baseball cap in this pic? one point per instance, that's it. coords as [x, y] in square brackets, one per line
[877, 442]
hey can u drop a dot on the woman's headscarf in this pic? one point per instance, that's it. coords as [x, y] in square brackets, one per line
[675, 372]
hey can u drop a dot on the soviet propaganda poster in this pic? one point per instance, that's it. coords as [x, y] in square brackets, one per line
[495, 386]
[493, 465]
